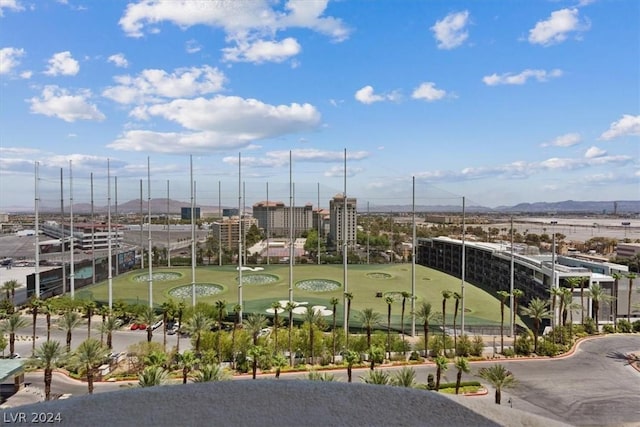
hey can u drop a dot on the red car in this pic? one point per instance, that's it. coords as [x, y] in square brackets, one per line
[134, 326]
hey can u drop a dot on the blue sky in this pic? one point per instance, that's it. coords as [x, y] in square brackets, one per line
[499, 101]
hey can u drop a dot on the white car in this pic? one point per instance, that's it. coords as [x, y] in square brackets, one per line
[157, 325]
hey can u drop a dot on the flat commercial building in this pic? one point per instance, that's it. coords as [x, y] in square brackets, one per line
[86, 236]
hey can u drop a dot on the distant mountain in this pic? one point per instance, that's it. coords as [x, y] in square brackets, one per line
[573, 206]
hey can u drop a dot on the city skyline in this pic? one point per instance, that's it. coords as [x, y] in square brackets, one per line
[499, 102]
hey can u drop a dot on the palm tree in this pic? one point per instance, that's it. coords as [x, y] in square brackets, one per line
[167, 308]
[446, 294]
[49, 354]
[279, 362]
[503, 295]
[148, 317]
[89, 307]
[103, 311]
[405, 377]
[237, 309]
[88, 356]
[289, 309]
[499, 377]
[457, 297]
[537, 310]
[425, 315]
[181, 307]
[313, 318]
[616, 281]
[68, 322]
[368, 319]
[209, 373]
[573, 282]
[518, 294]
[405, 295]
[334, 305]
[630, 276]
[598, 295]
[377, 377]
[199, 323]
[351, 357]
[108, 327]
[556, 299]
[462, 365]
[275, 306]
[10, 287]
[221, 309]
[348, 296]
[389, 300]
[254, 323]
[441, 367]
[255, 352]
[34, 304]
[375, 353]
[46, 307]
[186, 361]
[153, 376]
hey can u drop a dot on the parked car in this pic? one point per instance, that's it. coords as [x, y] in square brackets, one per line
[134, 326]
[157, 325]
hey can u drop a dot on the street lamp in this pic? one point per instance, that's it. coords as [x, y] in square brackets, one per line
[553, 263]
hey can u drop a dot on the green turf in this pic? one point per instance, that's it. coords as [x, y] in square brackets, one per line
[364, 282]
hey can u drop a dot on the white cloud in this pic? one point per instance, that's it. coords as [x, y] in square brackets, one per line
[58, 102]
[155, 85]
[10, 4]
[260, 51]
[192, 46]
[366, 95]
[26, 74]
[627, 125]
[242, 21]
[556, 28]
[9, 59]
[119, 60]
[450, 32]
[280, 158]
[62, 63]
[521, 78]
[593, 152]
[338, 171]
[566, 140]
[428, 92]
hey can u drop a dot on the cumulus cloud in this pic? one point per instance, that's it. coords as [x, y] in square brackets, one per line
[9, 59]
[280, 158]
[428, 92]
[262, 51]
[153, 85]
[593, 152]
[246, 23]
[192, 46]
[62, 63]
[627, 125]
[119, 60]
[57, 102]
[557, 27]
[10, 5]
[521, 78]
[367, 95]
[566, 140]
[450, 32]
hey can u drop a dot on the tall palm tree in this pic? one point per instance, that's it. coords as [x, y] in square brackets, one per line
[153, 376]
[503, 296]
[34, 304]
[255, 352]
[598, 295]
[209, 373]
[348, 296]
[89, 308]
[442, 364]
[499, 377]
[49, 354]
[199, 323]
[68, 322]
[276, 322]
[389, 300]
[425, 315]
[368, 319]
[47, 309]
[11, 326]
[88, 356]
[351, 357]
[108, 327]
[254, 323]
[556, 300]
[457, 297]
[537, 310]
[221, 310]
[446, 294]
[405, 295]
[616, 281]
[630, 276]
[462, 365]
[10, 287]
[180, 310]
[573, 282]
[103, 311]
[313, 319]
[186, 361]
[334, 306]
[289, 309]
[168, 308]
[148, 317]
[518, 294]
[237, 309]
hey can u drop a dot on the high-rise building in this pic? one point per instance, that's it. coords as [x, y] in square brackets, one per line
[337, 217]
[228, 232]
[274, 218]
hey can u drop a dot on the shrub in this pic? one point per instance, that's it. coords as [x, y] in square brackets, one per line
[415, 356]
[523, 344]
[608, 329]
[590, 326]
[477, 346]
[624, 326]
[508, 352]
[464, 346]
[636, 326]
[431, 384]
[548, 348]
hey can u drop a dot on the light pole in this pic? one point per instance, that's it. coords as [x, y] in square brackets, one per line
[553, 265]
